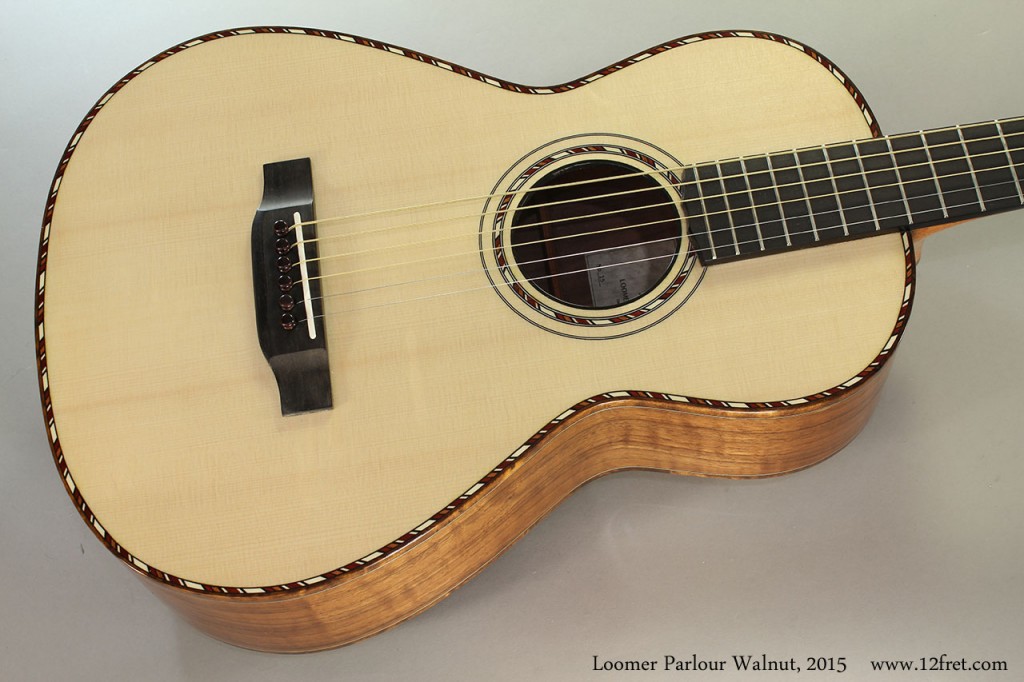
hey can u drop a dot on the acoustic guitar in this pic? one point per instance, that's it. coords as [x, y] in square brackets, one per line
[324, 325]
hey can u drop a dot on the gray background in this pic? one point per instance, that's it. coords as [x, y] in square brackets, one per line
[907, 544]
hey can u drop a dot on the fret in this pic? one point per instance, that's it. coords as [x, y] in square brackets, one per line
[835, 190]
[935, 175]
[821, 194]
[807, 199]
[696, 215]
[887, 197]
[873, 223]
[719, 220]
[740, 207]
[974, 176]
[1012, 135]
[959, 193]
[899, 180]
[753, 205]
[988, 158]
[818, 195]
[767, 206]
[917, 177]
[851, 186]
[793, 199]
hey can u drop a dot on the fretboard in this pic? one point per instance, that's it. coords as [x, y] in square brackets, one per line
[757, 205]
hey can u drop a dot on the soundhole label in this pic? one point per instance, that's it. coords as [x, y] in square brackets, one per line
[586, 237]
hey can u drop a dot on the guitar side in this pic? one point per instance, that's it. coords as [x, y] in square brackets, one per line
[629, 434]
[306, 532]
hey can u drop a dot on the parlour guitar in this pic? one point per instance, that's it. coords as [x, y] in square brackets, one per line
[377, 314]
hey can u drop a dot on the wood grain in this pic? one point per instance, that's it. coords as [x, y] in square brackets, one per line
[626, 434]
[168, 428]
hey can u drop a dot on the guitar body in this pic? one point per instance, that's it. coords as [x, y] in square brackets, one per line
[467, 402]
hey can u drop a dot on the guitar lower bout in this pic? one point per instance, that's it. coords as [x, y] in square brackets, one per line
[600, 436]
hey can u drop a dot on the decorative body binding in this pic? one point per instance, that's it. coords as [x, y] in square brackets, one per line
[323, 611]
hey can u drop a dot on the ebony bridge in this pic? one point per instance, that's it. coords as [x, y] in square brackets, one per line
[286, 288]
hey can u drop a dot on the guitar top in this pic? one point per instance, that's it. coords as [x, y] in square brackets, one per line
[324, 325]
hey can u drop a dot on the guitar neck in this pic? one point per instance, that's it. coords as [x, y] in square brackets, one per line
[757, 205]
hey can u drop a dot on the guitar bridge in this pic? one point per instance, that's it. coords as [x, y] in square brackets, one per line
[286, 288]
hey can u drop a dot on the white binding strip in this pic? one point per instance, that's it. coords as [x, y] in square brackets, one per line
[306, 296]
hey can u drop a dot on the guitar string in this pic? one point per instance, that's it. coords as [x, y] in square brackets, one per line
[925, 147]
[723, 195]
[859, 159]
[674, 237]
[576, 254]
[536, 242]
[482, 214]
[998, 122]
[752, 207]
[419, 299]
[583, 270]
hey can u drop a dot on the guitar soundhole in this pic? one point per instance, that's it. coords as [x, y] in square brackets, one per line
[596, 234]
